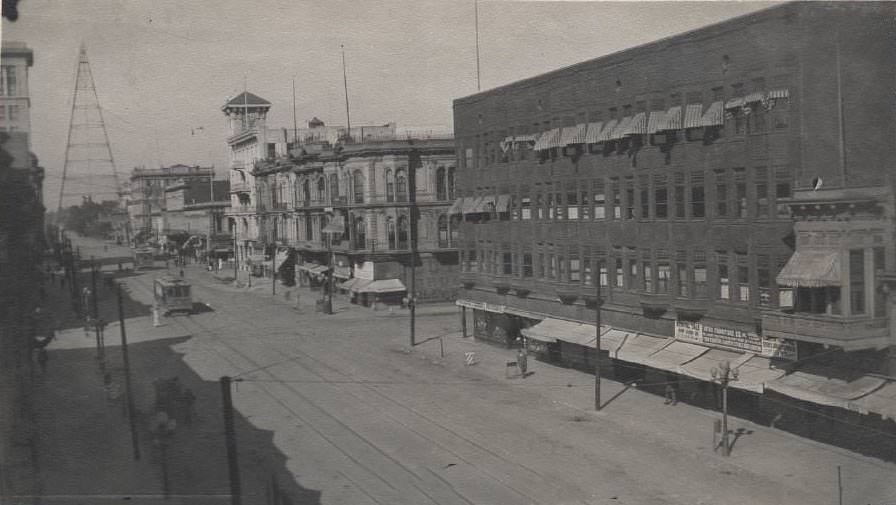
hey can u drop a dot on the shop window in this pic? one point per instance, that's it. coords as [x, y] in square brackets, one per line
[857, 281]
[698, 196]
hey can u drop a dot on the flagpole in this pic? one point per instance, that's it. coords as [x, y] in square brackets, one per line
[295, 124]
[348, 117]
[478, 82]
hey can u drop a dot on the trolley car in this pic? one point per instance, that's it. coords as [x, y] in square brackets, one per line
[172, 294]
[144, 257]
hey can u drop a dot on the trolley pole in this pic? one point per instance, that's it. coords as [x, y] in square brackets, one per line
[274, 272]
[413, 163]
[135, 441]
[597, 304]
[230, 439]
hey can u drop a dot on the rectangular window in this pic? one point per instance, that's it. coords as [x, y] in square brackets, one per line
[507, 260]
[722, 204]
[620, 273]
[572, 201]
[700, 283]
[781, 114]
[602, 271]
[857, 281]
[616, 196]
[8, 84]
[663, 276]
[679, 196]
[561, 268]
[552, 267]
[587, 273]
[660, 197]
[644, 190]
[632, 274]
[584, 201]
[743, 278]
[681, 270]
[468, 158]
[549, 204]
[13, 113]
[526, 208]
[648, 275]
[527, 264]
[764, 280]
[782, 191]
[575, 274]
[698, 197]
[724, 281]
[600, 199]
[629, 198]
[541, 266]
[740, 192]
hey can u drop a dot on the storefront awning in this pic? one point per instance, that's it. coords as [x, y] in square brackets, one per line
[693, 114]
[656, 120]
[384, 286]
[486, 204]
[359, 285]
[673, 119]
[755, 373]
[607, 132]
[734, 103]
[638, 347]
[714, 115]
[579, 334]
[835, 391]
[470, 204]
[574, 134]
[594, 129]
[456, 207]
[621, 128]
[348, 284]
[613, 339]
[506, 144]
[548, 140]
[756, 96]
[811, 269]
[502, 203]
[527, 140]
[548, 330]
[342, 272]
[880, 401]
[701, 367]
[638, 126]
[672, 356]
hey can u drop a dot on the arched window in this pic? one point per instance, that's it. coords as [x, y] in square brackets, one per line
[402, 232]
[443, 231]
[454, 225]
[401, 186]
[390, 231]
[306, 192]
[451, 183]
[441, 190]
[321, 190]
[245, 226]
[360, 233]
[390, 186]
[323, 221]
[334, 188]
[358, 183]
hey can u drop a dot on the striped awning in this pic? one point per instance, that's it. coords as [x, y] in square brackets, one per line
[638, 126]
[548, 139]
[734, 103]
[656, 120]
[673, 119]
[756, 96]
[594, 129]
[692, 115]
[778, 94]
[811, 269]
[608, 130]
[456, 207]
[714, 115]
[574, 134]
[621, 128]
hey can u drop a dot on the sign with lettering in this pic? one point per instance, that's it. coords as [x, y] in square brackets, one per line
[735, 339]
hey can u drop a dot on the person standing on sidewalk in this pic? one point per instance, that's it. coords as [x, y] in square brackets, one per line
[522, 359]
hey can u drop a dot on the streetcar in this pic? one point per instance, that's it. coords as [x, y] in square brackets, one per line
[173, 294]
[144, 257]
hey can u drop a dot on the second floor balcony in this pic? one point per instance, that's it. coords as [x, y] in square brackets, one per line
[850, 333]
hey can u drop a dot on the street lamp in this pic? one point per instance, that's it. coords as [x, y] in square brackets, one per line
[724, 375]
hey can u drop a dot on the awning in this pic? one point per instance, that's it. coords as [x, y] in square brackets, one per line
[827, 390]
[734, 103]
[384, 286]
[574, 134]
[692, 115]
[638, 347]
[470, 204]
[525, 139]
[594, 129]
[359, 285]
[579, 334]
[755, 373]
[613, 339]
[621, 128]
[549, 330]
[672, 356]
[548, 139]
[609, 127]
[456, 207]
[348, 284]
[701, 367]
[811, 269]
[638, 126]
[756, 96]
[486, 204]
[318, 269]
[342, 272]
[502, 204]
[673, 119]
[777, 94]
[881, 401]
[714, 115]
[657, 119]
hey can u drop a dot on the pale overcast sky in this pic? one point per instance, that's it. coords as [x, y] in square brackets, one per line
[164, 67]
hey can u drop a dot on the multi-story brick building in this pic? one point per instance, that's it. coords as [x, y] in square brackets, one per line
[146, 203]
[196, 209]
[731, 187]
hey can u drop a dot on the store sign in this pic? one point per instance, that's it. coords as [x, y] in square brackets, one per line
[364, 270]
[735, 339]
[488, 307]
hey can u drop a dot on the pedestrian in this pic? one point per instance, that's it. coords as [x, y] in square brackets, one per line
[671, 396]
[42, 359]
[522, 359]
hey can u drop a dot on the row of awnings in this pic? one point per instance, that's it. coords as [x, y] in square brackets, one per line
[381, 286]
[480, 205]
[861, 393]
[643, 123]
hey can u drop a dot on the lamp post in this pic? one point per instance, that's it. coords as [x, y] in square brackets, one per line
[724, 375]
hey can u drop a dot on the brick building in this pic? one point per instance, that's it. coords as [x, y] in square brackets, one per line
[146, 202]
[731, 187]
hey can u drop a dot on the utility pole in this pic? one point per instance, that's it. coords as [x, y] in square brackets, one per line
[274, 271]
[135, 441]
[724, 374]
[413, 162]
[230, 439]
[597, 304]
[100, 351]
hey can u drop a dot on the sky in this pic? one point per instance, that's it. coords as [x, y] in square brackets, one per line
[164, 68]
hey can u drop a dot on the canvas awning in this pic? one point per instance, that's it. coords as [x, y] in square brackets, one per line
[755, 373]
[502, 203]
[548, 139]
[525, 139]
[505, 144]
[613, 339]
[486, 204]
[609, 127]
[549, 330]
[470, 204]
[579, 334]
[827, 389]
[639, 346]
[702, 366]
[594, 129]
[638, 126]
[673, 119]
[384, 286]
[714, 115]
[693, 114]
[656, 120]
[574, 134]
[812, 268]
[880, 401]
[359, 285]
[675, 354]
[621, 128]
[348, 284]
[456, 207]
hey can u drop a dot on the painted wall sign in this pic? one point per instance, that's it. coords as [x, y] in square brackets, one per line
[735, 339]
